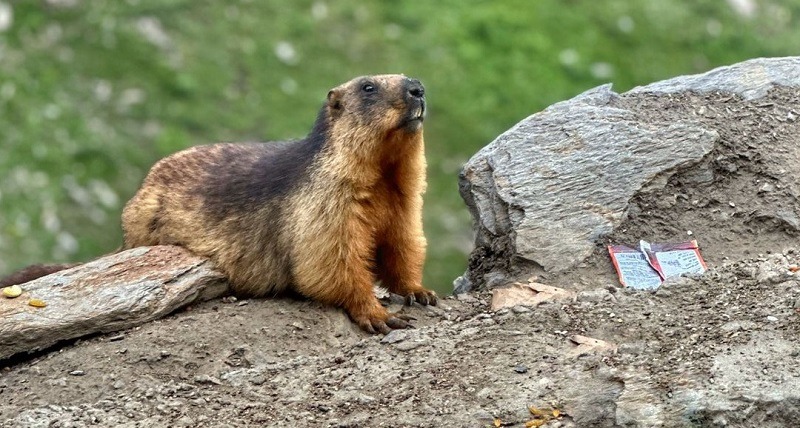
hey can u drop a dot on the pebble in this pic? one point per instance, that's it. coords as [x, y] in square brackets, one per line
[519, 309]
[365, 399]
[298, 325]
[207, 379]
[407, 346]
[469, 331]
[395, 336]
[77, 373]
[466, 297]
[772, 318]
[484, 393]
[521, 369]
[185, 421]
[483, 416]
[634, 348]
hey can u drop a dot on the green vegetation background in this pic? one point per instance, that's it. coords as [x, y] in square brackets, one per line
[93, 92]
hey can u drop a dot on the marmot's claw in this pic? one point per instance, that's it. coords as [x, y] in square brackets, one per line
[393, 322]
[367, 326]
[383, 328]
[403, 317]
[423, 297]
[398, 322]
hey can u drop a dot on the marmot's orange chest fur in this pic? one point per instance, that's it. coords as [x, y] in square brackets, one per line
[326, 216]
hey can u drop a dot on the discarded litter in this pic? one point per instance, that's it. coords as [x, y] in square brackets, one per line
[649, 265]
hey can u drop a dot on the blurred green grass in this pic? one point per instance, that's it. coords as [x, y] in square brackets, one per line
[93, 92]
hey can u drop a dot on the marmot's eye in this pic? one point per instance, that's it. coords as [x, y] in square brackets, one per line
[368, 87]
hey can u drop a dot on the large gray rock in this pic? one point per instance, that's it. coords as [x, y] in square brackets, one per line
[750, 79]
[548, 190]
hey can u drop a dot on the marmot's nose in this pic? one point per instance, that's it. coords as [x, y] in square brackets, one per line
[415, 88]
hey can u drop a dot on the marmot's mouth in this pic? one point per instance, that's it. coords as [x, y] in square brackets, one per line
[419, 112]
[414, 117]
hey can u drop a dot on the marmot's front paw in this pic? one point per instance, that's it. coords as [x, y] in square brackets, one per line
[423, 296]
[379, 325]
[382, 323]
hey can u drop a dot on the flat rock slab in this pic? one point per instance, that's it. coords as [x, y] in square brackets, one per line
[112, 293]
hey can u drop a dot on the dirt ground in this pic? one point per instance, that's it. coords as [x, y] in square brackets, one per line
[293, 363]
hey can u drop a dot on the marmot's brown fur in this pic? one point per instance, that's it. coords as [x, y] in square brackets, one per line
[325, 216]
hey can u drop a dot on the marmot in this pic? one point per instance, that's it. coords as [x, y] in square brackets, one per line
[325, 216]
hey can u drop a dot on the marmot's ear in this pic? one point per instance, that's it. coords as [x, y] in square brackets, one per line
[335, 99]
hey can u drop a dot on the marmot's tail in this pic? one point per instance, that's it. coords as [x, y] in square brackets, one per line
[32, 272]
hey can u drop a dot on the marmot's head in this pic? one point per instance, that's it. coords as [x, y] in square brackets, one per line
[383, 104]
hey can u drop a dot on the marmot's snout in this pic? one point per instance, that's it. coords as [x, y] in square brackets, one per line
[415, 89]
[415, 96]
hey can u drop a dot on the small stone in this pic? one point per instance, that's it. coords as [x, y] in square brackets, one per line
[116, 338]
[466, 297]
[206, 379]
[772, 318]
[483, 416]
[77, 373]
[519, 309]
[635, 348]
[595, 295]
[365, 399]
[484, 393]
[395, 336]
[229, 299]
[243, 303]
[118, 384]
[521, 369]
[185, 421]
[407, 346]
[258, 380]
[470, 331]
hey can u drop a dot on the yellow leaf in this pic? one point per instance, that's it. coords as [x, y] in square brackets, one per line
[12, 291]
[535, 423]
[37, 303]
[497, 422]
[556, 413]
[534, 411]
